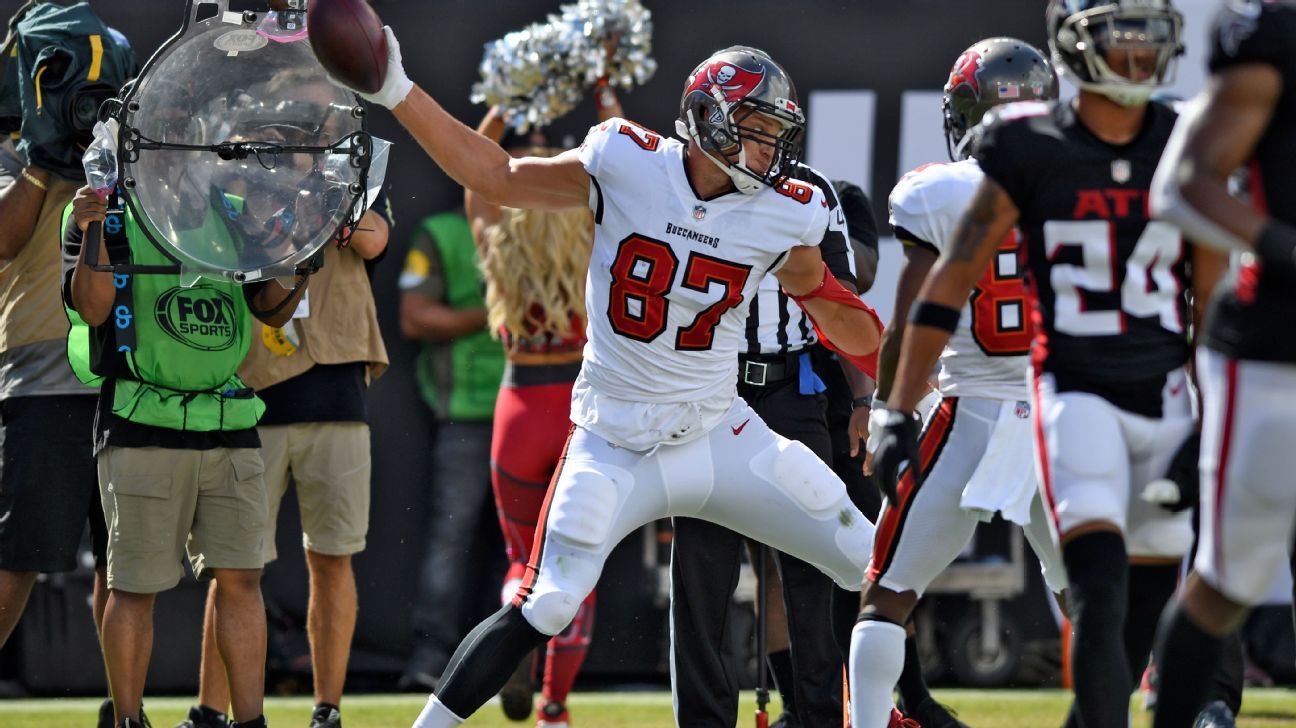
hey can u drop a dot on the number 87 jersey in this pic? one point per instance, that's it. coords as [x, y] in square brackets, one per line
[1108, 283]
[671, 275]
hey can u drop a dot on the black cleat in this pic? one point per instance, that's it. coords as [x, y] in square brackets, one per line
[931, 714]
[326, 716]
[519, 692]
[1215, 715]
[200, 716]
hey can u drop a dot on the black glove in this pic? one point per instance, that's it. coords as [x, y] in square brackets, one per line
[1180, 488]
[897, 448]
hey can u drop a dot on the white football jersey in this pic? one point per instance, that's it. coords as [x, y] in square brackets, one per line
[986, 355]
[670, 278]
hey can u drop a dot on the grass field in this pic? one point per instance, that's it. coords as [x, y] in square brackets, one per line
[979, 708]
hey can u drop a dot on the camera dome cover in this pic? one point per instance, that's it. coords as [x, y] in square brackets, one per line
[239, 156]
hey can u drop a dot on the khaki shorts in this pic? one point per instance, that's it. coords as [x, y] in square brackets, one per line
[330, 463]
[160, 503]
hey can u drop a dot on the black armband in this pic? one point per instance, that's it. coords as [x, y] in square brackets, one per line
[1277, 244]
[936, 315]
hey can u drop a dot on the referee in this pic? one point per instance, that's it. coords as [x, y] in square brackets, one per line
[775, 377]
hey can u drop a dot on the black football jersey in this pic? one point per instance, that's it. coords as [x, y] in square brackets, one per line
[1106, 282]
[1253, 312]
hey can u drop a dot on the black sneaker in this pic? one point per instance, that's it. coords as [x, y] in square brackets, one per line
[200, 716]
[931, 714]
[107, 712]
[326, 716]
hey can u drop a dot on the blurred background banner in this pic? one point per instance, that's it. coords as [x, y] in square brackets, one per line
[869, 73]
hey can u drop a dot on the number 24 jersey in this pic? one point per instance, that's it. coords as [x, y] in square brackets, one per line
[1108, 282]
[670, 272]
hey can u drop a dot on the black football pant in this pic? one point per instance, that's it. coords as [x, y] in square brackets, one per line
[704, 573]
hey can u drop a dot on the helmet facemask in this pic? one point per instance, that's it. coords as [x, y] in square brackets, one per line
[1121, 51]
[723, 93]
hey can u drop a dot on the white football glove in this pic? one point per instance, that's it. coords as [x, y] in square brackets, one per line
[397, 84]
[877, 421]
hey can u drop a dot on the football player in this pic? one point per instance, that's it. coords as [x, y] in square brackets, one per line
[978, 440]
[683, 235]
[1112, 402]
[1247, 366]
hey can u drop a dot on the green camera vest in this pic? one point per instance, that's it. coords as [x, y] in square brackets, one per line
[188, 343]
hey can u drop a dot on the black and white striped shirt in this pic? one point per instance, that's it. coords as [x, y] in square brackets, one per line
[775, 323]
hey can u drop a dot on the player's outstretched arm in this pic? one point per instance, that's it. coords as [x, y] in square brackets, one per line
[918, 262]
[1215, 136]
[989, 217]
[852, 329]
[471, 159]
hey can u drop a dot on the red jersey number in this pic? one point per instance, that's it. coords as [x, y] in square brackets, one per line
[799, 191]
[646, 139]
[999, 305]
[642, 275]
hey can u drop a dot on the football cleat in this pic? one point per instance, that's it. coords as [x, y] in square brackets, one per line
[552, 715]
[200, 716]
[1215, 715]
[519, 691]
[898, 720]
[931, 714]
[326, 716]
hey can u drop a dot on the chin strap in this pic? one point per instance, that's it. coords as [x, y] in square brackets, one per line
[830, 288]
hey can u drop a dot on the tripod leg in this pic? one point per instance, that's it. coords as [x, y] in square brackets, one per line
[762, 638]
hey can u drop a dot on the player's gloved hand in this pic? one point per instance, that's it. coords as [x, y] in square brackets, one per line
[1180, 489]
[397, 85]
[876, 423]
[897, 446]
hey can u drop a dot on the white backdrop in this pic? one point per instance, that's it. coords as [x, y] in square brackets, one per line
[841, 134]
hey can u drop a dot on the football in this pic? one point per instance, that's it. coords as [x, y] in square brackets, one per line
[348, 40]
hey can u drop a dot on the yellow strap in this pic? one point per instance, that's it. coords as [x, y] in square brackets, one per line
[39, 72]
[96, 58]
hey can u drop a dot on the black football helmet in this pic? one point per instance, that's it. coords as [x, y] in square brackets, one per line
[730, 80]
[1083, 32]
[991, 72]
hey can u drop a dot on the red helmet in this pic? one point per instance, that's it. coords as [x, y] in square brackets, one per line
[717, 89]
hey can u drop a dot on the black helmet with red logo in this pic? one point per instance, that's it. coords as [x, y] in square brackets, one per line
[737, 78]
[991, 72]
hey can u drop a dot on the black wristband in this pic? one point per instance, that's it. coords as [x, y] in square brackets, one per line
[865, 401]
[936, 315]
[1277, 244]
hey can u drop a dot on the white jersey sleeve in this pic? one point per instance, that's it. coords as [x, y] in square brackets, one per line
[985, 356]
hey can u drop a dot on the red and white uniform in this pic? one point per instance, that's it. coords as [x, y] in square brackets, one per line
[659, 430]
[976, 447]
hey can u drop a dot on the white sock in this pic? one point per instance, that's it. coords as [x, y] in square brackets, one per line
[877, 654]
[436, 715]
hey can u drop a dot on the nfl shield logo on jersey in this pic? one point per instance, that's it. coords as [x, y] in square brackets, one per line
[1022, 410]
[699, 212]
[1121, 171]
